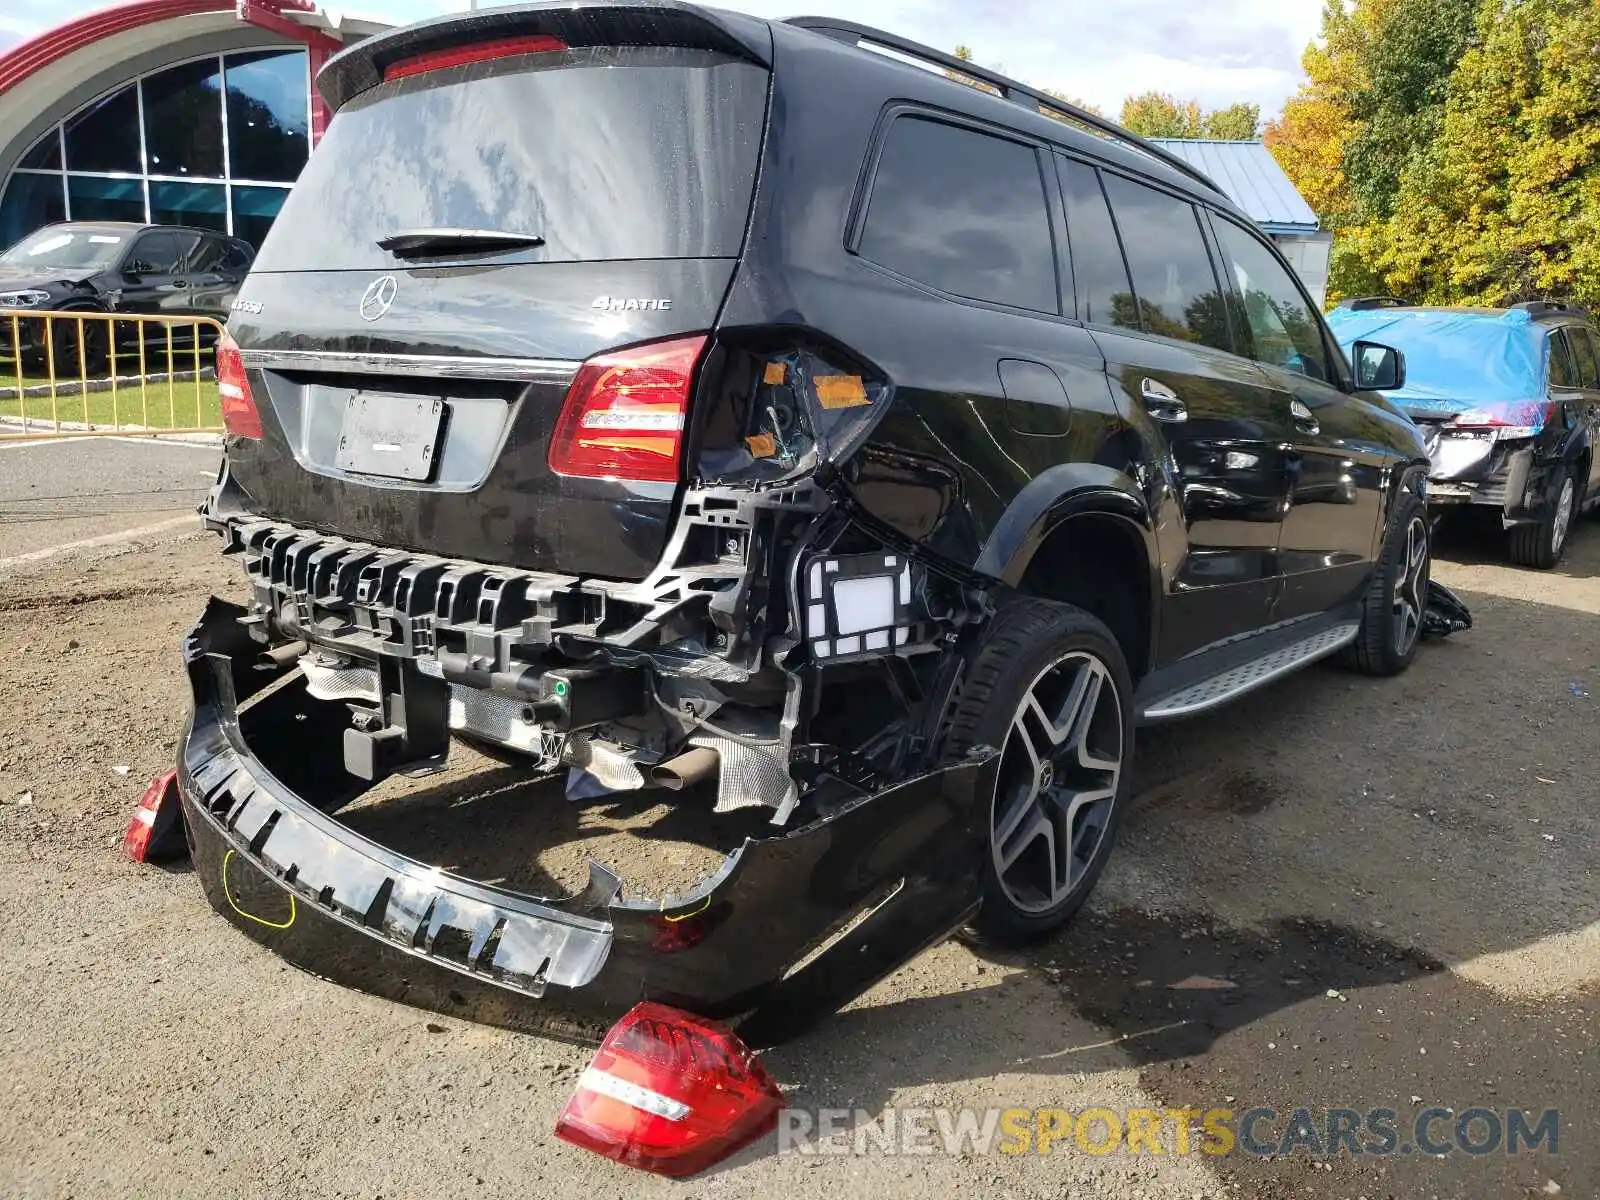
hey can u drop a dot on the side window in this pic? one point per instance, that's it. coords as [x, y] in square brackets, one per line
[157, 251]
[1584, 358]
[237, 258]
[1283, 330]
[1562, 373]
[963, 212]
[1097, 266]
[207, 256]
[1173, 280]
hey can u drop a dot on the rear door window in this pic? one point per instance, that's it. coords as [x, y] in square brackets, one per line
[1174, 283]
[963, 212]
[1279, 320]
[1097, 266]
[1584, 356]
[1562, 373]
[609, 153]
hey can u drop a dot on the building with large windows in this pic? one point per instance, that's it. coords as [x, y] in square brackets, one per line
[194, 112]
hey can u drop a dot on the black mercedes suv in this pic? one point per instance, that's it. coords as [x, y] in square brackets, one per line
[673, 397]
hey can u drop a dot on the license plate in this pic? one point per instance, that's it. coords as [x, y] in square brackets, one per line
[389, 435]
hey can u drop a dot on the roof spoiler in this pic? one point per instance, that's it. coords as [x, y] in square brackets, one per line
[1544, 308]
[1368, 303]
[1010, 89]
[579, 24]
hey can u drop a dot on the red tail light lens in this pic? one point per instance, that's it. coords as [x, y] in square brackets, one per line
[460, 56]
[239, 414]
[670, 1092]
[1526, 418]
[625, 412]
[150, 834]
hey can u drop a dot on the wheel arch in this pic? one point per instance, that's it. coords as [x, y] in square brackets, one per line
[1077, 514]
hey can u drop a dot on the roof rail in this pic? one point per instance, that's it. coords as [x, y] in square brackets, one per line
[1542, 308]
[1367, 303]
[1009, 89]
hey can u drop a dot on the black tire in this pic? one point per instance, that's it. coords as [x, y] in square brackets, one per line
[65, 340]
[1541, 543]
[1388, 638]
[1037, 649]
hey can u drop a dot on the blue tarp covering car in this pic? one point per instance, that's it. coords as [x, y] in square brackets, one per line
[1456, 358]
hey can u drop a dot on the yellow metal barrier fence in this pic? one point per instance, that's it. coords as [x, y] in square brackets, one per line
[85, 374]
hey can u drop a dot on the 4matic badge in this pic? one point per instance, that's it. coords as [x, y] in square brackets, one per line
[630, 304]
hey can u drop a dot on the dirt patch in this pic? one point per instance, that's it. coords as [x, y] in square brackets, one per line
[513, 828]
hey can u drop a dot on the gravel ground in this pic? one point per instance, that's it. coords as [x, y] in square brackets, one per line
[1422, 846]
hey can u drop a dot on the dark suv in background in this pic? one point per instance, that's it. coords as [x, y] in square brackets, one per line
[117, 267]
[1509, 403]
[668, 395]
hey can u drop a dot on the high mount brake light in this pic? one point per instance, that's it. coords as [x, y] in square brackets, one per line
[625, 412]
[240, 417]
[670, 1092]
[460, 56]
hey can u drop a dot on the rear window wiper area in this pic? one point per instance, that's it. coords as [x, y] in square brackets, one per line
[425, 243]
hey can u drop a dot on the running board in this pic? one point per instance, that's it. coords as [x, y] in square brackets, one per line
[1230, 684]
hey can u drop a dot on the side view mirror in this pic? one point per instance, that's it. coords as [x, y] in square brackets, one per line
[1378, 368]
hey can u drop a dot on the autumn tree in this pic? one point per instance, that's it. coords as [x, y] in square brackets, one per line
[1235, 123]
[1159, 115]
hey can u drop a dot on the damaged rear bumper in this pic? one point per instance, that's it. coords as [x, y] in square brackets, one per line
[788, 927]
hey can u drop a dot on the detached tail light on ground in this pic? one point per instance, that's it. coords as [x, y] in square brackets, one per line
[240, 416]
[670, 1092]
[625, 412]
[156, 834]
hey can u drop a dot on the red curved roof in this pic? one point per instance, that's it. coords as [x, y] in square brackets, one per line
[38, 52]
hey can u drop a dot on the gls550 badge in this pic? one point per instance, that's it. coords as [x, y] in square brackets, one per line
[630, 304]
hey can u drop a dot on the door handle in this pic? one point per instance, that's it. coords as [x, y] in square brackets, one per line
[1304, 418]
[180, 283]
[1162, 402]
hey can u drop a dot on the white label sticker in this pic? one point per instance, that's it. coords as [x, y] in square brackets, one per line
[50, 244]
[104, 239]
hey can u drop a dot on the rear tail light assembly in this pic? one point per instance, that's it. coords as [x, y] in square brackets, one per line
[670, 1092]
[1523, 419]
[156, 834]
[240, 417]
[625, 412]
[477, 52]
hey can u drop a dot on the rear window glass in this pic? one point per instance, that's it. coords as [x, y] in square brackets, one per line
[612, 153]
[964, 212]
[1583, 354]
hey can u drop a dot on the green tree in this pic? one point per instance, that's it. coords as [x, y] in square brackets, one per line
[1235, 123]
[1505, 204]
[1159, 115]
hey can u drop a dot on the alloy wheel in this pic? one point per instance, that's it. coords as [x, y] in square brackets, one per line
[1563, 518]
[1058, 780]
[1410, 589]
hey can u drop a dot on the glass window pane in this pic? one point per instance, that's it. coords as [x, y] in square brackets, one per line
[105, 136]
[1583, 354]
[45, 154]
[254, 209]
[183, 120]
[964, 212]
[1279, 320]
[105, 199]
[1562, 374]
[1097, 265]
[204, 205]
[268, 118]
[30, 201]
[1177, 290]
[157, 253]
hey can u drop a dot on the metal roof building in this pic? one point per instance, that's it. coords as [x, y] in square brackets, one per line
[1254, 181]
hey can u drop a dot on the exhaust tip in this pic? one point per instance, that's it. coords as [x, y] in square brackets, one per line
[686, 770]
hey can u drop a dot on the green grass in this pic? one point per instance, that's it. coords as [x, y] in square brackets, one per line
[156, 404]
